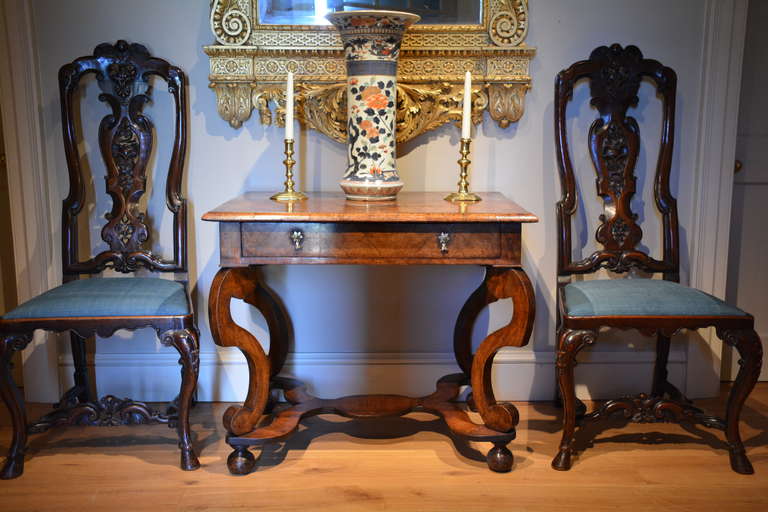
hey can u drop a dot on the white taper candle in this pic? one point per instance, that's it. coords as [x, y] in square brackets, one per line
[289, 107]
[466, 118]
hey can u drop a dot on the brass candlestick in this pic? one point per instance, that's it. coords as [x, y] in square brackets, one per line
[464, 194]
[289, 194]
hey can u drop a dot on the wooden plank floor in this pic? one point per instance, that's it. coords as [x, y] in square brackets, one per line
[339, 464]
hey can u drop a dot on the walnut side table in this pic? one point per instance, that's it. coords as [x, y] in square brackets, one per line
[419, 228]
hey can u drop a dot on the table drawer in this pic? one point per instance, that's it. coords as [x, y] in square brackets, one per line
[357, 240]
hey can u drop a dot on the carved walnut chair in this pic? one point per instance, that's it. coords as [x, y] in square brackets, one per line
[102, 305]
[656, 307]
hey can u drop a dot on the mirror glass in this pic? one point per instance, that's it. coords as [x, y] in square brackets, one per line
[312, 12]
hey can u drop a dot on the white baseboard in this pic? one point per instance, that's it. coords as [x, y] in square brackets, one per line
[519, 375]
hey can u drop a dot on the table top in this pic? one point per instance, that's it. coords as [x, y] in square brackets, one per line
[334, 207]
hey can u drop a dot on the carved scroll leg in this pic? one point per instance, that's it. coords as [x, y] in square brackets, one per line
[238, 283]
[248, 284]
[14, 461]
[750, 349]
[569, 343]
[186, 342]
[581, 407]
[278, 322]
[501, 283]
[462, 333]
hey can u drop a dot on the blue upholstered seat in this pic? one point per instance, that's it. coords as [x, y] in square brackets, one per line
[641, 297]
[107, 296]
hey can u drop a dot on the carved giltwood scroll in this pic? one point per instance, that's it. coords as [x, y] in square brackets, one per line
[249, 63]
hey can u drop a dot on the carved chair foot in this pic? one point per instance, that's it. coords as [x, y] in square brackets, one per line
[499, 458]
[241, 461]
[740, 463]
[13, 467]
[189, 460]
[562, 461]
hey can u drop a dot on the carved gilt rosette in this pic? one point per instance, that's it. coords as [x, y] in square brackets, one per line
[371, 47]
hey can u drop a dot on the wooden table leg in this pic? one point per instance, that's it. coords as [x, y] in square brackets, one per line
[248, 284]
[462, 333]
[499, 283]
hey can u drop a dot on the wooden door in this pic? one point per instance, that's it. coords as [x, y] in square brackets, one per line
[748, 253]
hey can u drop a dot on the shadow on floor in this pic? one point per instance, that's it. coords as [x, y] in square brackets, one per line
[589, 434]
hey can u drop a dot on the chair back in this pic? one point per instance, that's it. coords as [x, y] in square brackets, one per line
[125, 138]
[614, 75]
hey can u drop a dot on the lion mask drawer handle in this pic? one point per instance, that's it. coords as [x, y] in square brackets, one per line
[443, 239]
[297, 238]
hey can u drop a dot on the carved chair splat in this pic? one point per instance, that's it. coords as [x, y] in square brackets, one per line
[102, 305]
[657, 307]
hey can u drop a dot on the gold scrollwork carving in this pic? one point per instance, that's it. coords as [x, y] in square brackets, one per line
[233, 102]
[230, 21]
[509, 26]
[250, 61]
[262, 96]
[323, 107]
[506, 102]
[424, 107]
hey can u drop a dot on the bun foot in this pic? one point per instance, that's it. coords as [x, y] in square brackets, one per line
[241, 461]
[499, 458]
[189, 460]
[13, 467]
[562, 461]
[740, 463]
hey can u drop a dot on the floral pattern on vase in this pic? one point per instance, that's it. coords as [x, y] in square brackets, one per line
[370, 123]
[361, 48]
[371, 46]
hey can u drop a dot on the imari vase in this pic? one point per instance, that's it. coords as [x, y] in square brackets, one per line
[371, 47]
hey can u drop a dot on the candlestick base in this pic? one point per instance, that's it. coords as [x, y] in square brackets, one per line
[289, 195]
[463, 196]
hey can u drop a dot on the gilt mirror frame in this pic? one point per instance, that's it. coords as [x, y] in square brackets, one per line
[250, 61]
